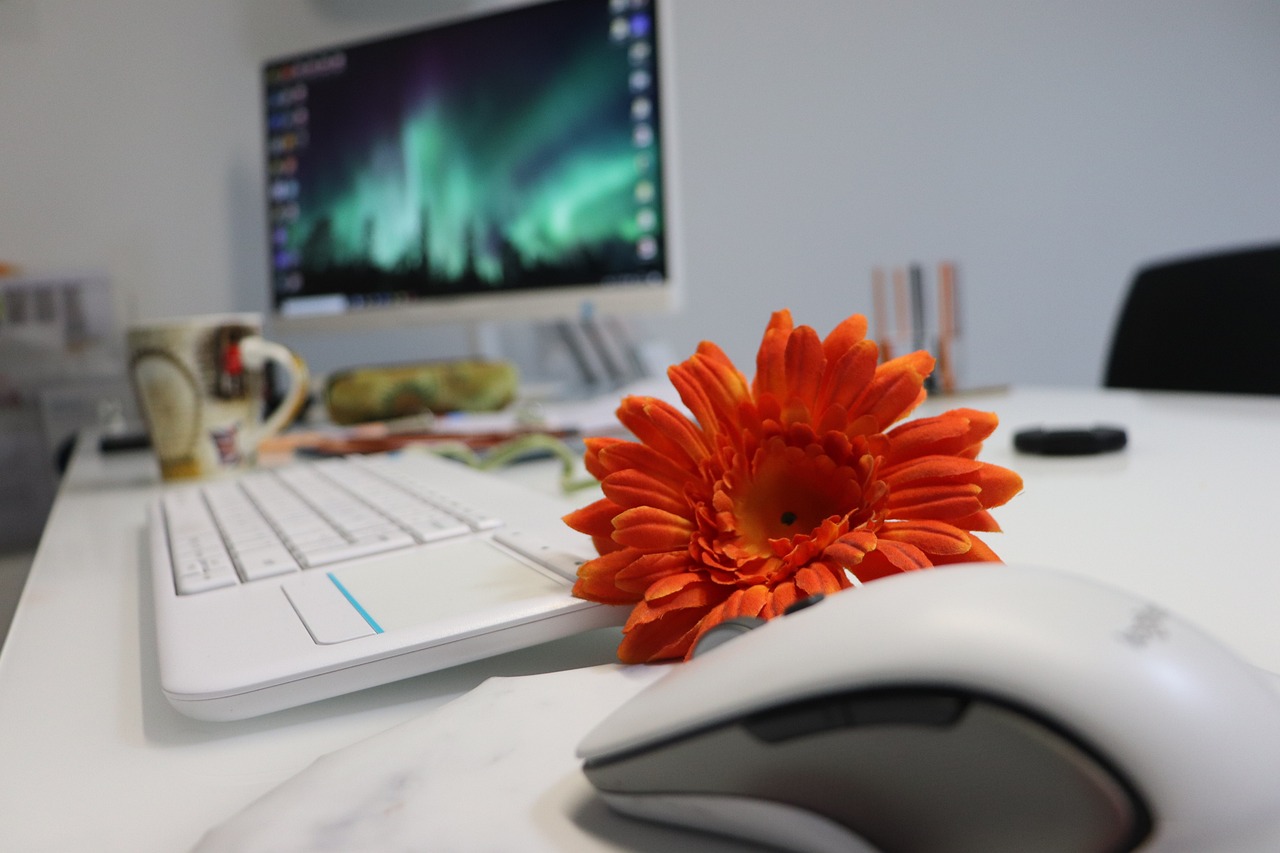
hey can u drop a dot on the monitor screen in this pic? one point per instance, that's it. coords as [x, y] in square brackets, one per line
[511, 163]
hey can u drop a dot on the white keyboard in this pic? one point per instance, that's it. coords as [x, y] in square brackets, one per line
[288, 585]
[304, 517]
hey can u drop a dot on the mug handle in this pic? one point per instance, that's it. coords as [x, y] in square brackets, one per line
[255, 352]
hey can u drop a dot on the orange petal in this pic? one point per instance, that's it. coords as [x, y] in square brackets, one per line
[605, 544]
[982, 521]
[929, 468]
[891, 558]
[846, 377]
[667, 638]
[995, 485]
[979, 552]
[682, 647]
[848, 333]
[594, 519]
[998, 485]
[596, 579]
[851, 549]
[950, 434]
[665, 587]
[651, 530]
[785, 594]
[711, 387]
[942, 501]
[659, 425]
[896, 389]
[819, 578]
[874, 567]
[647, 569]
[697, 598]
[829, 419]
[752, 601]
[591, 459]
[804, 363]
[746, 602]
[632, 488]
[666, 630]
[931, 537]
[771, 360]
[629, 454]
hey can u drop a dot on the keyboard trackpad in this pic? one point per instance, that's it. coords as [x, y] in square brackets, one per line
[445, 586]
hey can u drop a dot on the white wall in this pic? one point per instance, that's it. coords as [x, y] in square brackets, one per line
[1047, 148]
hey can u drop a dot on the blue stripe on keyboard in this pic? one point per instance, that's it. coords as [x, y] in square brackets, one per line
[373, 623]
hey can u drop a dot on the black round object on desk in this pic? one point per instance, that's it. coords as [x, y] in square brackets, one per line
[1071, 441]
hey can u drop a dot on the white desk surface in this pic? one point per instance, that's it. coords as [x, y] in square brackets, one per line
[93, 758]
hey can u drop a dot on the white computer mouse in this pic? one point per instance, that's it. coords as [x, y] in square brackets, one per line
[972, 708]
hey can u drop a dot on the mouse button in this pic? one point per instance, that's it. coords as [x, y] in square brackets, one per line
[1051, 784]
[998, 779]
[756, 821]
[799, 719]
[903, 707]
[719, 759]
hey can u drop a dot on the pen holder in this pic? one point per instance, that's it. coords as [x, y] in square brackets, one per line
[908, 316]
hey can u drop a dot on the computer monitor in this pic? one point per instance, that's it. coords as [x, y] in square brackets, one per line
[511, 165]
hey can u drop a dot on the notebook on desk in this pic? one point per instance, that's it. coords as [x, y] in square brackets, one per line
[286, 586]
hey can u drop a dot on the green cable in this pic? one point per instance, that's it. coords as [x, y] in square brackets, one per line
[512, 450]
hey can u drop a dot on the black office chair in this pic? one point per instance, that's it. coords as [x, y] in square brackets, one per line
[1208, 323]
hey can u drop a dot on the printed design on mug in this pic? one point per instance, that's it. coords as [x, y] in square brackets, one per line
[226, 440]
[221, 365]
[172, 404]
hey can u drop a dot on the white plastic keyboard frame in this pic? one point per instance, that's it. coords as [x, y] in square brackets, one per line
[242, 651]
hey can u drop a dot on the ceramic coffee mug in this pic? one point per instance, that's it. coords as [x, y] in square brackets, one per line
[200, 385]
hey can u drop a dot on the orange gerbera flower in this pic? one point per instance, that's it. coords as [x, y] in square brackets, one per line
[787, 486]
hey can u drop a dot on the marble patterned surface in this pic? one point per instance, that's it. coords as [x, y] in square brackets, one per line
[494, 770]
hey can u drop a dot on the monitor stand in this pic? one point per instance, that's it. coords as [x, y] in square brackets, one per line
[602, 350]
[484, 343]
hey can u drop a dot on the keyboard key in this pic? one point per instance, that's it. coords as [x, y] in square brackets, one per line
[193, 576]
[363, 547]
[274, 522]
[435, 527]
[266, 562]
[562, 562]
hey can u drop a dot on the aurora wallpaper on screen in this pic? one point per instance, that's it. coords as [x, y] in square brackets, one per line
[515, 150]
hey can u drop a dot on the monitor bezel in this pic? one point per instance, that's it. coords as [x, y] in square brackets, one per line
[566, 302]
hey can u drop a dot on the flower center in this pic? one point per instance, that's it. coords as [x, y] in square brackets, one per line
[786, 492]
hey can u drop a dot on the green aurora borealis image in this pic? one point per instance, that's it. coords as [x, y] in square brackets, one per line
[495, 153]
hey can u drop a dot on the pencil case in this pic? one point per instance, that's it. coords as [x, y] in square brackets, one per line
[380, 393]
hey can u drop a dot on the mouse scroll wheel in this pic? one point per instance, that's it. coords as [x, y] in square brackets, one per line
[804, 603]
[727, 630]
